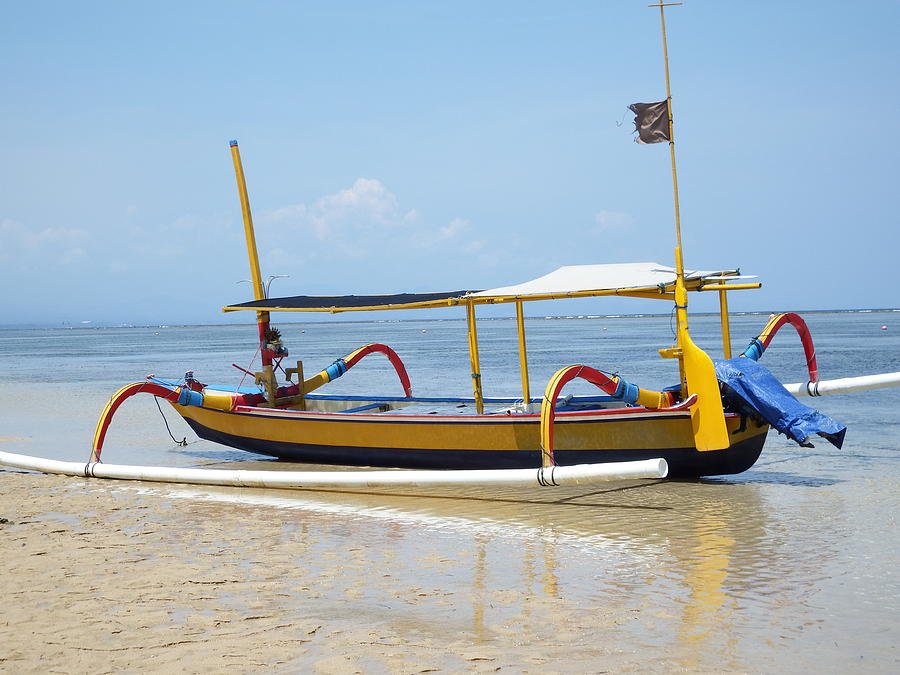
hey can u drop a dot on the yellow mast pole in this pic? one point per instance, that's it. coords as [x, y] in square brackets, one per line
[262, 318]
[523, 354]
[697, 372]
[473, 358]
[258, 289]
[681, 296]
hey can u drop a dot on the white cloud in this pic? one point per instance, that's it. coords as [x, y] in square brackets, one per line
[287, 214]
[188, 223]
[367, 197]
[72, 255]
[454, 228]
[24, 246]
[364, 220]
[379, 242]
[362, 207]
[613, 220]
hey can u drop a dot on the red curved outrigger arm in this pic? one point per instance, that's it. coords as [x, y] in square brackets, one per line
[759, 344]
[354, 357]
[174, 395]
[117, 399]
[614, 386]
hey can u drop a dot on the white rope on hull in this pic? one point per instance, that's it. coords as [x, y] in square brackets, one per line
[844, 385]
[560, 475]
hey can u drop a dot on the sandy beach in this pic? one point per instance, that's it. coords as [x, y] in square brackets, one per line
[110, 576]
[784, 568]
[103, 578]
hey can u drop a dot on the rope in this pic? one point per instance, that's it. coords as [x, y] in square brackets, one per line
[249, 366]
[183, 441]
[278, 366]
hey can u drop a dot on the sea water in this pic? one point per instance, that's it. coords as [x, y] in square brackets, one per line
[791, 564]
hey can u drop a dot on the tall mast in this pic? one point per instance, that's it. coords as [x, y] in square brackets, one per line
[262, 318]
[258, 290]
[698, 375]
[681, 298]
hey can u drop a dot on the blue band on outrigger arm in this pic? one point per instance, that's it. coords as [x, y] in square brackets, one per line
[631, 392]
[754, 350]
[625, 391]
[188, 397]
[336, 369]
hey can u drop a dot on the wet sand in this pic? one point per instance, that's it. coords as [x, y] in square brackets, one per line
[101, 578]
[789, 567]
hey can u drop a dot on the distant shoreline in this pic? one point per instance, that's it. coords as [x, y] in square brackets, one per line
[107, 326]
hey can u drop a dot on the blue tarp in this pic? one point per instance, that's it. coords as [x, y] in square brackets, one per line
[753, 385]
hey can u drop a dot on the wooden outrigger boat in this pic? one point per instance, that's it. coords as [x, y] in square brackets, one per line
[294, 421]
[713, 421]
[686, 425]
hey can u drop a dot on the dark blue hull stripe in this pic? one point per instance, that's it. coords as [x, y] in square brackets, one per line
[683, 462]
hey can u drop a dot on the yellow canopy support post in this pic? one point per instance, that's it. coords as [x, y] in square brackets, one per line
[473, 358]
[726, 329]
[262, 318]
[697, 370]
[523, 354]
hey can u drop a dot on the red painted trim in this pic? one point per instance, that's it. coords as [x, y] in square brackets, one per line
[805, 337]
[587, 373]
[674, 411]
[683, 405]
[568, 417]
[265, 354]
[392, 356]
[120, 397]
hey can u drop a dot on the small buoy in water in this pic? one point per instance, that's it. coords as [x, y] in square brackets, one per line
[302, 331]
[604, 328]
[772, 316]
[424, 331]
[884, 328]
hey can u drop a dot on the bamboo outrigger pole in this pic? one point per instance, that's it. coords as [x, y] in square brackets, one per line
[696, 368]
[579, 474]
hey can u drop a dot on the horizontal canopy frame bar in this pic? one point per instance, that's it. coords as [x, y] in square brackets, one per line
[319, 303]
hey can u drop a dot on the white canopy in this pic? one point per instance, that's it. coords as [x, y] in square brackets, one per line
[573, 280]
[585, 278]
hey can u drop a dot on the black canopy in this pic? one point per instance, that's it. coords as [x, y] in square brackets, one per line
[326, 302]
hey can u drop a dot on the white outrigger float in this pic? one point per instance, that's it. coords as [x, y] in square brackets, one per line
[713, 421]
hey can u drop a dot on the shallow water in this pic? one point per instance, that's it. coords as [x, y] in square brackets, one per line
[788, 566]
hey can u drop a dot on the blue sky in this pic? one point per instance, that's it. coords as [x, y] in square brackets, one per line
[409, 146]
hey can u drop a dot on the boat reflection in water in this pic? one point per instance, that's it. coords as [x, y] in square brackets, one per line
[679, 569]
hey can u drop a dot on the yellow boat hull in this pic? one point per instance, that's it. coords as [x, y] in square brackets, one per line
[477, 441]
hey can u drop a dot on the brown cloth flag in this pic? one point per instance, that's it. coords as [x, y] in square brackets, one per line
[651, 121]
